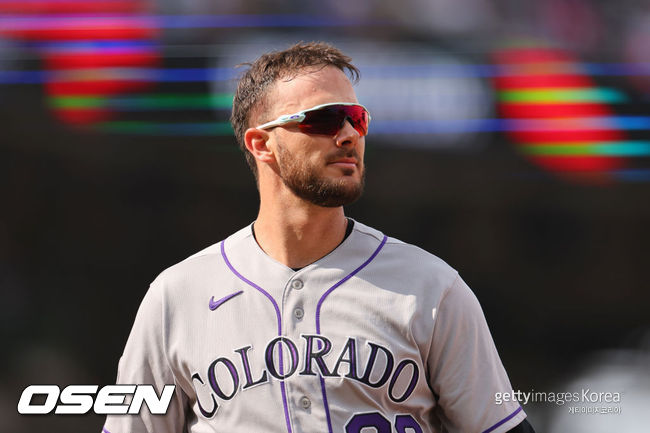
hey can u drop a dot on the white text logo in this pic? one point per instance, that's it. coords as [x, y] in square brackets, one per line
[80, 399]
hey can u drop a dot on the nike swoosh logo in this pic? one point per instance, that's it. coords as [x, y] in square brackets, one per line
[216, 304]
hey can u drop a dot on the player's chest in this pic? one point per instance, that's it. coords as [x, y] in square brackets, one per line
[295, 340]
[307, 324]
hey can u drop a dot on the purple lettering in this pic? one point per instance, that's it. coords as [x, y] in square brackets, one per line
[213, 379]
[350, 349]
[402, 422]
[205, 413]
[243, 352]
[373, 420]
[270, 364]
[371, 364]
[412, 383]
[317, 356]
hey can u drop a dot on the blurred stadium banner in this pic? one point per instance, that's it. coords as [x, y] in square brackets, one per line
[121, 67]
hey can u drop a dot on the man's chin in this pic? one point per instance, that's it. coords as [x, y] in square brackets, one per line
[331, 202]
[345, 169]
[339, 192]
[335, 186]
[349, 177]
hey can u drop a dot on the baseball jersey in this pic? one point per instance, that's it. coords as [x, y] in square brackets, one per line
[377, 336]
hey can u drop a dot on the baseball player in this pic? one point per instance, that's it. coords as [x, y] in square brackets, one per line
[305, 320]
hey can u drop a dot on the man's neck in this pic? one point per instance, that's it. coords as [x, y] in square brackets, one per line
[297, 235]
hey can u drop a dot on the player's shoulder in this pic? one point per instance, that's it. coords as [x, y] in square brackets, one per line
[408, 257]
[403, 249]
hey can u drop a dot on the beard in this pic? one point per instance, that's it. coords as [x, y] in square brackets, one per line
[303, 181]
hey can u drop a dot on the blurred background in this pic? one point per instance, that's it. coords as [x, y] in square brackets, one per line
[511, 138]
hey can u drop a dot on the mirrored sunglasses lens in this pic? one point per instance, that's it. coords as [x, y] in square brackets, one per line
[359, 119]
[328, 120]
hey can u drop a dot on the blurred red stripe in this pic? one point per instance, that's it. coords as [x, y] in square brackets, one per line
[83, 116]
[532, 55]
[71, 6]
[100, 87]
[83, 34]
[559, 136]
[99, 59]
[541, 80]
[579, 163]
[546, 111]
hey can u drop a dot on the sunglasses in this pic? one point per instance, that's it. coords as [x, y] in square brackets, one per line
[326, 119]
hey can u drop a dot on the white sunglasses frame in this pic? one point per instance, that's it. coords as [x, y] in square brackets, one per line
[300, 115]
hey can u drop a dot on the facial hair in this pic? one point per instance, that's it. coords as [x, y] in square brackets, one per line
[304, 182]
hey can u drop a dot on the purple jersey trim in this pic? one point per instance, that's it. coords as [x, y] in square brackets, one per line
[350, 275]
[104, 430]
[318, 307]
[506, 419]
[326, 404]
[279, 317]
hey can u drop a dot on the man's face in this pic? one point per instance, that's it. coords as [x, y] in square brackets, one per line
[324, 170]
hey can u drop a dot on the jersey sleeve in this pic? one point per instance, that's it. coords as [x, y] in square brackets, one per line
[144, 361]
[465, 369]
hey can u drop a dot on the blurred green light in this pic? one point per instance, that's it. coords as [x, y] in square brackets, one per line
[156, 128]
[556, 96]
[613, 148]
[145, 102]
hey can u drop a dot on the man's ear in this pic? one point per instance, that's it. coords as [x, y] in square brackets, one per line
[256, 141]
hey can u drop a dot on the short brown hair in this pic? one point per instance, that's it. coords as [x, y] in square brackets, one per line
[255, 82]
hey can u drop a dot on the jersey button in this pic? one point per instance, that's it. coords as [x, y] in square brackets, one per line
[305, 403]
[297, 284]
[299, 313]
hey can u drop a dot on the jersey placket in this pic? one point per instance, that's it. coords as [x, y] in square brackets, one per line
[303, 388]
[299, 303]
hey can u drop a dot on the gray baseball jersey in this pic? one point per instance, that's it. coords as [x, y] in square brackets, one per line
[377, 336]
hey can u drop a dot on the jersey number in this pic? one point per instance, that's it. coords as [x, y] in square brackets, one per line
[375, 420]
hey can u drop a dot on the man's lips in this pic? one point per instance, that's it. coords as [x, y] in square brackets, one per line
[345, 161]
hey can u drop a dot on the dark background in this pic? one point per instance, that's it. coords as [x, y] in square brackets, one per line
[90, 218]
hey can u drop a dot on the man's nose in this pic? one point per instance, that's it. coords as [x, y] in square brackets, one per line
[347, 135]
